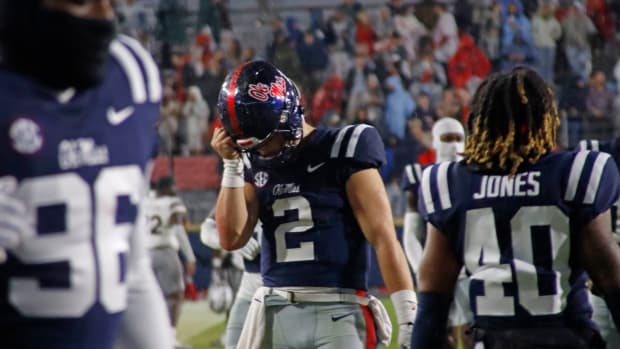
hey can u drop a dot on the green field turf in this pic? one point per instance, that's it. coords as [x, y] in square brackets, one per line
[209, 338]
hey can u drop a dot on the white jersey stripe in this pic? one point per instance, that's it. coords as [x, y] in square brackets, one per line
[442, 185]
[594, 144]
[338, 142]
[595, 177]
[409, 173]
[426, 190]
[575, 174]
[132, 71]
[355, 137]
[583, 145]
[418, 170]
[152, 72]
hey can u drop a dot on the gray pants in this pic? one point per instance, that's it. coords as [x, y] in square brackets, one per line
[168, 270]
[317, 325]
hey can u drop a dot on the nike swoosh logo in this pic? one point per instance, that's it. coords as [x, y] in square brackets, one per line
[315, 167]
[338, 317]
[116, 117]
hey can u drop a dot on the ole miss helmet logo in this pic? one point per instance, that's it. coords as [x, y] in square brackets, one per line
[261, 92]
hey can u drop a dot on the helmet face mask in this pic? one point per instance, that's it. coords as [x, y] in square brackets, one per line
[256, 103]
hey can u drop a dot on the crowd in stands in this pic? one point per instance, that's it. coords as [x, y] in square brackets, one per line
[399, 67]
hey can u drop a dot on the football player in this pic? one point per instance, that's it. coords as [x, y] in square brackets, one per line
[525, 223]
[165, 213]
[78, 105]
[448, 139]
[250, 281]
[321, 201]
[600, 312]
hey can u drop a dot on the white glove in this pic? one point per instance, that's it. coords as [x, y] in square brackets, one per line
[208, 234]
[405, 305]
[250, 250]
[13, 220]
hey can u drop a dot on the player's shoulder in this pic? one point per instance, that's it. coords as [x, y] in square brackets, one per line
[358, 143]
[411, 176]
[438, 185]
[133, 69]
[586, 173]
[611, 147]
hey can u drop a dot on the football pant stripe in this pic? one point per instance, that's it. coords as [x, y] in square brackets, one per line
[595, 177]
[355, 137]
[575, 174]
[132, 70]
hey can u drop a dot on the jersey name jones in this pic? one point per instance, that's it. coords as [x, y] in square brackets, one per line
[522, 184]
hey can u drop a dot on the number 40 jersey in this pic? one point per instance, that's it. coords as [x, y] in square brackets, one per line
[79, 161]
[515, 235]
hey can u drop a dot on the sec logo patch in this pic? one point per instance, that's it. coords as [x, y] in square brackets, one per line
[26, 136]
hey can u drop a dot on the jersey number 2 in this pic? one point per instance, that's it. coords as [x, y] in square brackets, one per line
[90, 248]
[532, 263]
[305, 251]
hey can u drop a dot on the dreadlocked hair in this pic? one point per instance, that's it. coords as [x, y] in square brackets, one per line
[513, 121]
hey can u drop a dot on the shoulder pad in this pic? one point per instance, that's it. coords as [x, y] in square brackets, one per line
[359, 143]
[139, 68]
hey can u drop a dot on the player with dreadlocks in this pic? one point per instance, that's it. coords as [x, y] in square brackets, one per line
[525, 222]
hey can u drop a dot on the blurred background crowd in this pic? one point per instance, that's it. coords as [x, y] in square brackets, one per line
[398, 65]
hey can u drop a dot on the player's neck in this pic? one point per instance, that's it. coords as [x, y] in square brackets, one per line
[307, 129]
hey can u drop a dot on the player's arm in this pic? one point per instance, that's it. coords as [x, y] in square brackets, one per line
[600, 255]
[146, 314]
[236, 210]
[186, 248]
[439, 270]
[370, 205]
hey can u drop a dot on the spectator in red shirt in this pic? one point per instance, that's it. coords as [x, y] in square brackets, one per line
[469, 62]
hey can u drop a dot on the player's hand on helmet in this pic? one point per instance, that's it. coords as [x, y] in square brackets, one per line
[250, 250]
[224, 145]
[404, 335]
[13, 221]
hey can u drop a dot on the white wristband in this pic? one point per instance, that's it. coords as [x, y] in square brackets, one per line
[232, 177]
[405, 305]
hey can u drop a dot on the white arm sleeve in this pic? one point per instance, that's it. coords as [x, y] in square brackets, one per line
[208, 234]
[412, 230]
[184, 245]
[145, 323]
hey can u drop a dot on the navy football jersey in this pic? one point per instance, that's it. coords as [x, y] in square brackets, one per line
[515, 234]
[409, 181]
[310, 235]
[79, 161]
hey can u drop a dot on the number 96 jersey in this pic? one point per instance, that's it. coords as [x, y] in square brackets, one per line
[516, 234]
[79, 161]
[310, 235]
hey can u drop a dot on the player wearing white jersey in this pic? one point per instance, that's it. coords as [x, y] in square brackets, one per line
[165, 212]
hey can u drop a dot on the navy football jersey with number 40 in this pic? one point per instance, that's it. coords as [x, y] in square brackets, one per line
[516, 234]
[310, 235]
[79, 161]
